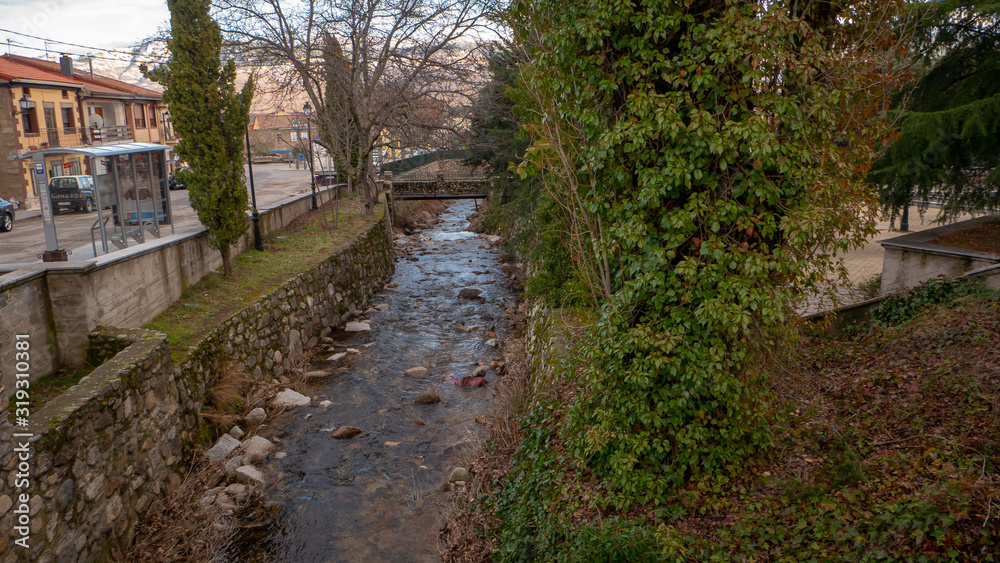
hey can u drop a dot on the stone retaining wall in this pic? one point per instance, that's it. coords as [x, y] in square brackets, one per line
[59, 303]
[110, 447]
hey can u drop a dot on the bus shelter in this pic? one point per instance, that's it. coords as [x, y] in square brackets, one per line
[130, 189]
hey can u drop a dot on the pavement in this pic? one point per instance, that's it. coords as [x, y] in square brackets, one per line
[864, 265]
[273, 183]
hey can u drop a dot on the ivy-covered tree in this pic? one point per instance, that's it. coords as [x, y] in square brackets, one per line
[949, 144]
[709, 157]
[211, 118]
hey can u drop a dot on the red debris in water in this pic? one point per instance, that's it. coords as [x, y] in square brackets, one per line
[469, 381]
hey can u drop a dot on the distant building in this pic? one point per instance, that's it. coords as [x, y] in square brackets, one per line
[278, 134]
[67, 108]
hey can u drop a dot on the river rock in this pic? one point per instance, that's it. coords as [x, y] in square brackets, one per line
[208, 499]
[249, 475]
[345, 432]
[459, 474]
[469, 293]
[289, 398]
[233, 464]
[255, 417]
[237, 432]
[256, 449]
[316, 374]
[237, 490]
[354, 326]
[428, 398]
[492, 343]
[382, 307]
[336, 357]
[225, 502]
[325, 404]
[480, 371]
[416, 371]
[221, 450]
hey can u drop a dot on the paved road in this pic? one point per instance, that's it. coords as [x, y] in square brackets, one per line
[273, 183]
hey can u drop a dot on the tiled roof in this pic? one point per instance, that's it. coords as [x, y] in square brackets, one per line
[12, 69]
[97, 85]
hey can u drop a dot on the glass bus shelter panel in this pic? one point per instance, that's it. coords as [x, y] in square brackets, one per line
[161, 191]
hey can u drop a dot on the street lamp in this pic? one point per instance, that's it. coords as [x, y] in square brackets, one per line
[258, 242]
[26, 104]
[307, 109]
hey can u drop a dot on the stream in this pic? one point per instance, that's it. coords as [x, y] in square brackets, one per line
[382, 495]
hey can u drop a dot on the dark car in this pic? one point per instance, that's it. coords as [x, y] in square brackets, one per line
[177, 184]
[6, 215]
[72, 192]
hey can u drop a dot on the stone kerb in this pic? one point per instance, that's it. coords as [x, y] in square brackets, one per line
[102, 453]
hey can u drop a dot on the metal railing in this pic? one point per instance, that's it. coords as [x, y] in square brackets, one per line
[117, 134]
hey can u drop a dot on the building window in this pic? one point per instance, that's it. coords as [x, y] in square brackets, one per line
[65, 94]
[29, 120]
[152, 116]
[139, 112]
[67, 118]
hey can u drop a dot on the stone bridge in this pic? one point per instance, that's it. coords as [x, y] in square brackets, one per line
[440, 187]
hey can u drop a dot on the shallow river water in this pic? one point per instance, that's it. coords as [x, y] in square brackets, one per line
[378, 496]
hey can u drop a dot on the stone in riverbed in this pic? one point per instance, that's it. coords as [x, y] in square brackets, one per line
[289, 398]
[256, 449]
[480, 371]
[249, 475]
[357, 327]
[221, 450]
[345, 432]
[428, 398]
[336, 357]
[316, 374]
[469, 293]
[459, 474]
[416, 371]
[255, 417]
[382, 307]
[237, 432]
[233, 464]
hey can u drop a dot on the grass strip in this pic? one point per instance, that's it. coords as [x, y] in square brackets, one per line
[310, 239]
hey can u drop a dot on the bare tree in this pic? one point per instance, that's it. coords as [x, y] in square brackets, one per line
[378, 71]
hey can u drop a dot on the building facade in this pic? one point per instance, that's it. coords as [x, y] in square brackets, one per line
[44, 104]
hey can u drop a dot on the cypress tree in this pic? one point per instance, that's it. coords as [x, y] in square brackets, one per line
[949, 140]
[211, 119]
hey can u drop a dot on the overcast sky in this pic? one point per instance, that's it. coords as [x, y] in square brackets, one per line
[92, 23]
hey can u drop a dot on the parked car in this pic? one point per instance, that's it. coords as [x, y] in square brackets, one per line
[177, 184]
[72, 192]
[6, 215]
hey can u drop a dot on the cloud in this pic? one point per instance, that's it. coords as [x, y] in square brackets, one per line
[93, 23]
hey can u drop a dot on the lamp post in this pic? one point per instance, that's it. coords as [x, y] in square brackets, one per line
[307, 109]
[258, 243]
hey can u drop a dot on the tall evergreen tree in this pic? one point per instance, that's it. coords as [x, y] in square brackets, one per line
[211, 119]
[949, 142]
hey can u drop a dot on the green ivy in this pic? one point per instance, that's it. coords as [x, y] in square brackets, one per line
[945, 291]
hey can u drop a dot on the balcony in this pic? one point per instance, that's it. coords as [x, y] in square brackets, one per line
[111, 135]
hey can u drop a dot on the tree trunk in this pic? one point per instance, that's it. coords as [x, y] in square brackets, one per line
[227, 261]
